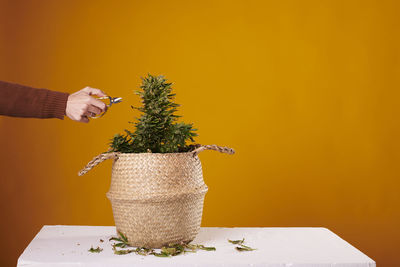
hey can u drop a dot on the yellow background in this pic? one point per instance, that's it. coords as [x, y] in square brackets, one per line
[307, 92]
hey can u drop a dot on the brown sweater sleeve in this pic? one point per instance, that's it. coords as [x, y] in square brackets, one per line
[27, 102]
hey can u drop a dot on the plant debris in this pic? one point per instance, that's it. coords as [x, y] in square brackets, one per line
[244, 248]
[95, 250]
[166, 251]
[241, 246]
[236, 241]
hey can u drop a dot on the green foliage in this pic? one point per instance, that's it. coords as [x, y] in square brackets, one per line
[157, 129]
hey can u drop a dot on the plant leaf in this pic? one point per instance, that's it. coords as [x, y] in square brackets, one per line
[206, 248]
[124, 238]
[244, 248]
[236, 241]
[121, 245]
[160, 255]
[95, 250]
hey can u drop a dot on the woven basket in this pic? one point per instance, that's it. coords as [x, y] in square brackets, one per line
[157, 198]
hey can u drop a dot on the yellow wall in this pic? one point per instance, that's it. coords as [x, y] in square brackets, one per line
[307, 92]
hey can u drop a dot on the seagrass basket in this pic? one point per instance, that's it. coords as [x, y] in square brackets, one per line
[157, 198]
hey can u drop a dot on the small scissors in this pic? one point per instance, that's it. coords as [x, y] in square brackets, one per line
[113, 100]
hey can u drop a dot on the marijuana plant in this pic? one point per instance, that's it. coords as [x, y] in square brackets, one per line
[157, 129]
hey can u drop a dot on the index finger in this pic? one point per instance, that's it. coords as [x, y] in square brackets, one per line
[94, 91]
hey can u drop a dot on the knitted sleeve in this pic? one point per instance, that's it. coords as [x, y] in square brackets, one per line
[27, 102]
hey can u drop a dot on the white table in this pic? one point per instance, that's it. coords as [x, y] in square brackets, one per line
[276, 247]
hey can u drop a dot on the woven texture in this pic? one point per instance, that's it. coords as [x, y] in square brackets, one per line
[157, 199]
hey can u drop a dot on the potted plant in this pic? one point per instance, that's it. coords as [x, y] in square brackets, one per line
[157, 189]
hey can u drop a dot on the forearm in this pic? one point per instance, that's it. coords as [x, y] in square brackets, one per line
[23, 101]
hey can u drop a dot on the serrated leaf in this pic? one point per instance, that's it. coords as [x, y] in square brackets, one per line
[124, 238]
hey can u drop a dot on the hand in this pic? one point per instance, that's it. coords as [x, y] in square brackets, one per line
[81, 106]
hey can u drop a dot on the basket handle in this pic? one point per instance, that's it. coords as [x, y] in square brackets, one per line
[97, 160]
[114, 155]
[222, 149]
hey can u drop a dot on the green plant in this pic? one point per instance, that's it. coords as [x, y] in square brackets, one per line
[157, 129]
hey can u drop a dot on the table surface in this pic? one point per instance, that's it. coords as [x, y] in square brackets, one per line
[276, 247]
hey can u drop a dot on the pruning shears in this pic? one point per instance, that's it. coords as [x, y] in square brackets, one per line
[111, 101]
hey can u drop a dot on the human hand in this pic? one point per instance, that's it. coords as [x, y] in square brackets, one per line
[81, 105]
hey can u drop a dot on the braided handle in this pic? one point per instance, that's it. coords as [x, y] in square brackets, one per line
[221, 149]
[97, 160]
[112, 155]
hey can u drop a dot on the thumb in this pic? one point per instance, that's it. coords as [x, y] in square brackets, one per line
[94, 91]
